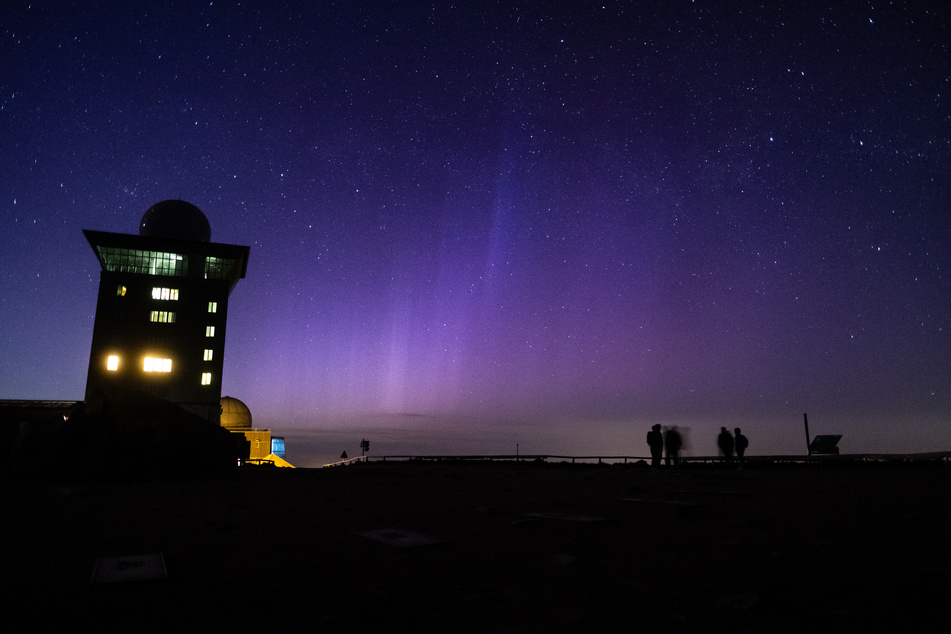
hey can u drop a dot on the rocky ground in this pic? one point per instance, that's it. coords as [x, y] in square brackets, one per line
[488, 547]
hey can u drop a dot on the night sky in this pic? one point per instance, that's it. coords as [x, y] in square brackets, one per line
[521, 221]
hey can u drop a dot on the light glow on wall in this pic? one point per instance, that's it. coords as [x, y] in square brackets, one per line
[112, 363]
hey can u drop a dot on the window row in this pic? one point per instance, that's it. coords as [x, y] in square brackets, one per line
[112, 361]
[159, 292]
[168, 317]
[153, 364]
[156, 364]
[162, 293]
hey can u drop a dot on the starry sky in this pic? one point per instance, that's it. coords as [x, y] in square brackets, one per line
[532, 222]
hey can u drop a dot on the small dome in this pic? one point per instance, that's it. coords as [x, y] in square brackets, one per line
[175, 219]
[234, 414]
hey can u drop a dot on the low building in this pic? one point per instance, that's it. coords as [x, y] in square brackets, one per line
[236, 418]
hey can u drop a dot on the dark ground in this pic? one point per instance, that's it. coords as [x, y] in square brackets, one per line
[794, 548]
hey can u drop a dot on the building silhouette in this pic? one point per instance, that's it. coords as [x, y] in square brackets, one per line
[162, 310]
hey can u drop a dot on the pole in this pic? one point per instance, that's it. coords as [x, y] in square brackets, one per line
[805, 419]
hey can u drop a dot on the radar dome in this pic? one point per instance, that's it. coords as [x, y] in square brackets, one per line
[175, 219]
[234, 414]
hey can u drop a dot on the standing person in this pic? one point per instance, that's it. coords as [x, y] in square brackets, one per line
[725, 443]
[673, 442]
[741, 443]
[655, 440]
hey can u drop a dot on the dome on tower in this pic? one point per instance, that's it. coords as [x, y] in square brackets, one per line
[175, 219]
[235, 415]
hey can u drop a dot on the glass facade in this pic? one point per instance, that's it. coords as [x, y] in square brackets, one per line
[122, 260]
[116, 259]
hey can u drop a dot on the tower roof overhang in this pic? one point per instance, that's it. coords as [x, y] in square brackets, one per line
[117, 251]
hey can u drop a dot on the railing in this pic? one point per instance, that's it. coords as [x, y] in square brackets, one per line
[347, 461]
[511, 457]
[944, 456]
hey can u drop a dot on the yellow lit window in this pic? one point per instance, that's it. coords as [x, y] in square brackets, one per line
[208, 354]
[164, 293]
[153, 364]
[206, 378]
[209, 331]
[112, 363]
[121, 291]
[162, 317]
[212, 307]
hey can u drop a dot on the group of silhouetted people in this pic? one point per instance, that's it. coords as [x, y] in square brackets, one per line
[658, 441]
[732, 447]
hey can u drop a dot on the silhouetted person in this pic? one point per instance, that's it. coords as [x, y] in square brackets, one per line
[655, 440]
[673, 442]
[741, 443]
[725, 443]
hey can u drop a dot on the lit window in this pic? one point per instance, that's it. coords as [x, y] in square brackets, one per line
[162, 317]
[121, 291]
[164, 293]
[209, 331]
[153, 364]
[208, 354]
[220, 268]
[112, 363]
[212, 307]
[206, 378]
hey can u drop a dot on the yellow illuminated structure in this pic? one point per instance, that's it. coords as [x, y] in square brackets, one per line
[236, 418]
[162, 309]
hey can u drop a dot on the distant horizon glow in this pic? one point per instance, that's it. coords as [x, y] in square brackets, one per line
[489, 223]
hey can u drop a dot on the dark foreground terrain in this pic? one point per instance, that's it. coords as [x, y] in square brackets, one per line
[489, 547]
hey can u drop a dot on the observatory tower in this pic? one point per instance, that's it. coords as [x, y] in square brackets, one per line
[162, 309]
